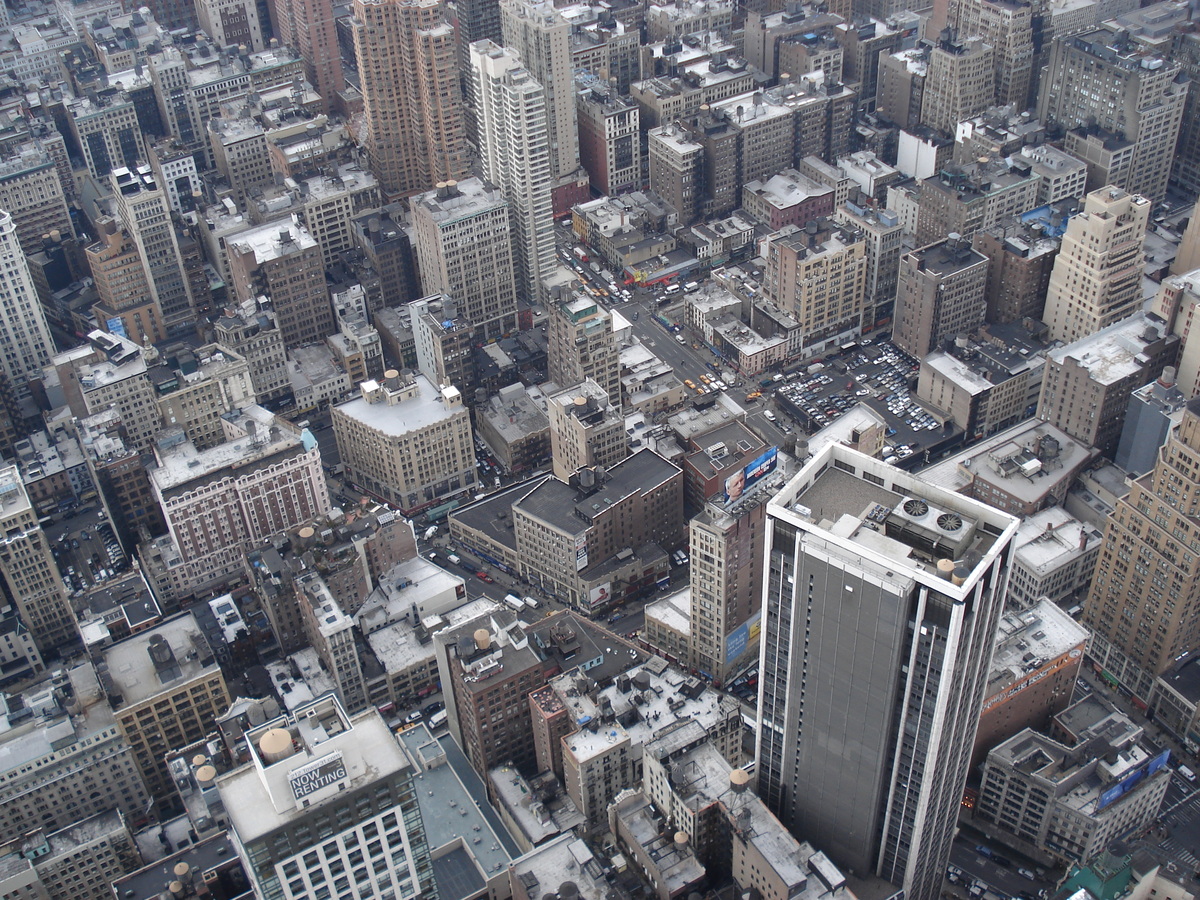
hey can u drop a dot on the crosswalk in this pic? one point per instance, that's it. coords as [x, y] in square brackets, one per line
[1176, 849]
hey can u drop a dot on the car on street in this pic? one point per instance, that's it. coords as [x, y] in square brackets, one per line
[435, 707]
[1026, 873]
[484, 576]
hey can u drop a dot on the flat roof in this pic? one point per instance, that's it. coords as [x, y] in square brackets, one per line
[149, 882]
[1051, 537]
[259, 796]
[453, 813]
[471, 197]
[1113, 353]
[943, 260]
[651, 715]
[267, 242]
[538, 815]
[134, 673]
[183, 463]
[426, 407]
[24, 740]
[1010, 459]
[873, 520]
[1027, 640]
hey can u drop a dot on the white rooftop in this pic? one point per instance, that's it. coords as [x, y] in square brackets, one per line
[1028, 640]
[1051, 537]
[134, 672]
[674, 611]
[260, 796]
[1111, 354]
[424, 408]
[276, 240]
[183, 463]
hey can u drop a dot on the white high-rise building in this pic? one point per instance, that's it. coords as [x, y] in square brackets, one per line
[26, 339]
[327, 806]
[146, 214]
[541, 37]
[1097, 276]
[514, 146]
[882, 598]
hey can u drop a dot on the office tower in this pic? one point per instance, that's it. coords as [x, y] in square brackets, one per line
[1142, 607]
[382, 237]
[960, 81]
[1101, 84]
[444, 342]
[1020, 260]
[541, 37]
[465, 250]
[514, 152]
[609, 129]
[407, 441]
[581, 344]
[726, 547]
[26, 336]
[961, 199]
[53, 785]
[901, 91]
[1154, 411]
[868, 744]
[818, 274]
[105, 127]
[239, 151]
[1097, 275]
[328, 800]
[1007, 25]
[1087, 384]
[882, 235]
[30, 572]
[283, 263]
[232, 23]
[168, 692]
[491, 666]
[941, 292]
[412, 99]
[31, 192]
[312, 31]
[1186, 170]
[585, 429]
[694, 166]
[143, 209]
[253, 334]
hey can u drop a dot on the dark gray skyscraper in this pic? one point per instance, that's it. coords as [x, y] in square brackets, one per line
[882, 599]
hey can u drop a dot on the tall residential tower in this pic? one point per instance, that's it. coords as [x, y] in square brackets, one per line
[514, 149]
[412, 99]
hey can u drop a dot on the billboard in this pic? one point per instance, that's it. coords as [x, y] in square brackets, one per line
[1132, 780]
[319, 773]
[117, 326]
[1074, 657]
[742, 638]
[600, 594]
[581, 559]
[744, 479]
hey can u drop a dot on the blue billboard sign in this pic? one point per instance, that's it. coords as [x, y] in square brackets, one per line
[742, 637]
[754, 471]
[1132, 780]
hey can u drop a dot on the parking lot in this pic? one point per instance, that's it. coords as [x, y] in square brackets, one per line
[878, 375]
[88, 554]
